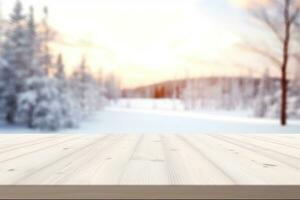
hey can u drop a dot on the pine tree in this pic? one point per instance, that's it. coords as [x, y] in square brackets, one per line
[235, 93]
[294, 95]
[15, 61]
[42, 103]
[83, 81]
[188, 95]
[112, 87]
[296, 81]
[26, 99]
[46, 60]
[261, 105]
[68, 108]
[248, 92]
[80, 79]
[48, 112]
[100, 90]
[86, 90]
[60, 69]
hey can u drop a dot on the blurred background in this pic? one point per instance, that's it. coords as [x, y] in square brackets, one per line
[171, 66]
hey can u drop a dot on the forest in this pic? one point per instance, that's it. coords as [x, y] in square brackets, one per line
[35, 90]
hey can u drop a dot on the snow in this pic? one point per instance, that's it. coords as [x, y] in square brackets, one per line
[142, 118]
[158, 104]
[168, 116]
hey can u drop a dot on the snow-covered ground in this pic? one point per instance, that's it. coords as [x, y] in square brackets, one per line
[166, 116]
[170, 105]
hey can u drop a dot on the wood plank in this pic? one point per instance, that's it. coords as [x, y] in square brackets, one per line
[191, 165]
[111, 171]
[234, 168]
[19, 140]
[261, 168]
[271, 146]
[289, 160]
[147, 164]
[51, 171]
[121, 164]
[279, 141]
[17, 168]
[106, 165]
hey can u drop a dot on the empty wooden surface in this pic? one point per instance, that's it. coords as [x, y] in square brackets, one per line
[145, 160]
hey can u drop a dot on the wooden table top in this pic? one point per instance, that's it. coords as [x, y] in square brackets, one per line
[166, 166]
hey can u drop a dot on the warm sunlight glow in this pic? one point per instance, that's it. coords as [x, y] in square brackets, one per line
[142, 41]
[249, 3]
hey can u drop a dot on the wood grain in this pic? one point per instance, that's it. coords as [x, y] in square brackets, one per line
[163, 165]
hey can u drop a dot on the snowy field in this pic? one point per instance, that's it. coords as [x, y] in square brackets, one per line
[166, 116]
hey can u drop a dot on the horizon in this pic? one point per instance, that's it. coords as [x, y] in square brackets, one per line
[195, 78]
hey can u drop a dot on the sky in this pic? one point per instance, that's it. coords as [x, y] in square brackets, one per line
[147, 41]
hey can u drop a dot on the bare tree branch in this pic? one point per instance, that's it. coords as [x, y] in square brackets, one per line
[262, 52]
[262, 16]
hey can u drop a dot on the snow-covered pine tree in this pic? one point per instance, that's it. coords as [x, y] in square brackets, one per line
[83, 84]
[226, 93]
[85, 89]
[112, 87]
[296, 81]
[60, 70]
[261, 104]
[42, 104]
[39, 95]
[26, 99]
[46, 36]
[294, 95]
[15, 61]
[100, 90]
[52, 110]
[217, 95]
[68, 106]
[187, 95]
[248, 92]
[80, 87]
[236, 93]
